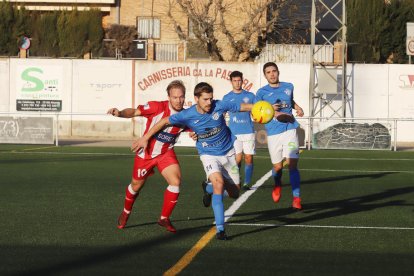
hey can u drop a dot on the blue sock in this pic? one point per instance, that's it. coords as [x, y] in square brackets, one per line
[218, 209]
[248, 172]
[209, 188]
[295, 182]
[277, 177]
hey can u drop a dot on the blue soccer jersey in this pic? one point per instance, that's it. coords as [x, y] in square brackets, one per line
[281, 95]
[240, 122]
[214, 137]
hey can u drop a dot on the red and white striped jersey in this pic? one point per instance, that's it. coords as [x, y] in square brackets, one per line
[163, 140]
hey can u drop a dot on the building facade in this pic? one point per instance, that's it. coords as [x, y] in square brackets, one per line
[157, 22]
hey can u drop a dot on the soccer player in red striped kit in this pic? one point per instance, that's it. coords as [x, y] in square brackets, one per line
[159, 153]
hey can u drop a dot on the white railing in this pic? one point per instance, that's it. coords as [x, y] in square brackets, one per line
[308, 124]
[166, 52]
[296, 53]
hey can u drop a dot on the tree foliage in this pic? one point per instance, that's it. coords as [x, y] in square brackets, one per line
[227, 30]
[6, 22]
[377, 30]
[121, 37]
[53, 34]
[45, 40]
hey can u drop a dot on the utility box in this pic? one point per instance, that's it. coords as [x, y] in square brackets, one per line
[338, 51]
[140, 49]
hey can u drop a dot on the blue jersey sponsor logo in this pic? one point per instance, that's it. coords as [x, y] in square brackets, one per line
[210, 133]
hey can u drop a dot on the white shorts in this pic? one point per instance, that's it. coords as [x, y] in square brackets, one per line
[283, 145]
[226, 165]
[245, 143]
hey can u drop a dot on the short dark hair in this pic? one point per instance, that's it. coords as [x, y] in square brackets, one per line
[269, 64]
[202, 87]
[236, 74]
[175, 84]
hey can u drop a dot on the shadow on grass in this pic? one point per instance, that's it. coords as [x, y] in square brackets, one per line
[323, 210]
[209, 218]
[93, 258]
[335, 178]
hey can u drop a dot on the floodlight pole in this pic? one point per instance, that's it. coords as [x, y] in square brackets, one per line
[344, 50]
[317, 98]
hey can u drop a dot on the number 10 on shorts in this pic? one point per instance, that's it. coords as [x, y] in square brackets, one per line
[141, 172]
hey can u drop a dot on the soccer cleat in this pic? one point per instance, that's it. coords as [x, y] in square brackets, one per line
[122, 220]
[166, 223]
[206, 196]
[277, 193]
[221, 235]
[296, 203]
[246, 187]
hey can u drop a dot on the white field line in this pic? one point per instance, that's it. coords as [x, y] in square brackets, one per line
[358, 159]
[71, 153]
[354, 171]
[196, 155]
[243, 198]
[321, 226]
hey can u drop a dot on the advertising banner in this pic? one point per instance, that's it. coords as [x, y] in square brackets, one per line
[30, 130]
[39, 88]
[152, 78]
[101, 84]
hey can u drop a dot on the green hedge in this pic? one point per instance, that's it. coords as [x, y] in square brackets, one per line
[377, 30]
[53, 34]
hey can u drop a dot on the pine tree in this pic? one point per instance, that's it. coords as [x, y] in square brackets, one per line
[6, 28]
[95, 33]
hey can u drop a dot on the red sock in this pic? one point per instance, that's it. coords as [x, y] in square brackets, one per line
[130, 197]
[170, 200]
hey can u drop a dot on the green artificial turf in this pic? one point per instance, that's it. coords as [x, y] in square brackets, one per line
[59, 207]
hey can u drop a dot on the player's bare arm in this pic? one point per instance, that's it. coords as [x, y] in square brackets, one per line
[245, 107]
[299, 110]
[143, 141]
[125, 113]
[248, 107]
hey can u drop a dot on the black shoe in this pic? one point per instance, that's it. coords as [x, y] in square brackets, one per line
[221, 235]
[246, 187]
[206, 196]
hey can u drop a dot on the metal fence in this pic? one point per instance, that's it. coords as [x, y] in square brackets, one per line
[314, 132]
[166, 52]
[296, 53]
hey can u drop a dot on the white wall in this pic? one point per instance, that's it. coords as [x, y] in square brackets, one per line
[93, 86]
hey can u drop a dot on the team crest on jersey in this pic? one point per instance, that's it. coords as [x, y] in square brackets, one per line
[288, 92]
[215, 116]
[146, 106]
[246, 100]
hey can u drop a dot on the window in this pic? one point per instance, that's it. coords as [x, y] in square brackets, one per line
[191, 29]
[149, 27]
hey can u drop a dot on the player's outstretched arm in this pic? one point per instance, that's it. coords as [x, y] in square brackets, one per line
[248, 107]
[299, 110]
[245, 107]
[125, 113]
[143, 141]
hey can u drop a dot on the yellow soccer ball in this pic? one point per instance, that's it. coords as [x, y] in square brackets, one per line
[262, 112]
